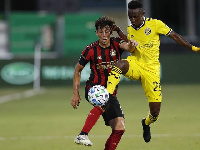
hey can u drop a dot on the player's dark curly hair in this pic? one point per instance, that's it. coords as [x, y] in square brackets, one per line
[104, 21]
[134, 4]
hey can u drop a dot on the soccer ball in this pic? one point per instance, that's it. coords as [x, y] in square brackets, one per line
[98, 95]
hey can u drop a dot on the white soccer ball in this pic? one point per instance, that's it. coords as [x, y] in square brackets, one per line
[98, 95]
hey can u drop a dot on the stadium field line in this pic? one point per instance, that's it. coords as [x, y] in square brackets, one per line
[93, 136]
[18, 96]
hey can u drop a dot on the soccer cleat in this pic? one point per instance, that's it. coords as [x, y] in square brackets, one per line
[83, 140]
[146, 131]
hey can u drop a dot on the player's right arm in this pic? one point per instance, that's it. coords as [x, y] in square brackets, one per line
[76, 99]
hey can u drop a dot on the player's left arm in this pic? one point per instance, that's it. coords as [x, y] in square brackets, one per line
[181, 41]
[130, 46]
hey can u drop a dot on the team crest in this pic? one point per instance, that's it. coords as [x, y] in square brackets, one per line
[99, 57]
[113, 52]
[147, 31]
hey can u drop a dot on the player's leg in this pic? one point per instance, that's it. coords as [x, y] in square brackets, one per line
[114, 117]
[118, 130]
[151, 118]
[152, 88]
[121, 67]
[91, 120]
[154, 112]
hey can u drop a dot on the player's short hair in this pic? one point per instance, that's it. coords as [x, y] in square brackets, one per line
[104, 21]
[134, 4]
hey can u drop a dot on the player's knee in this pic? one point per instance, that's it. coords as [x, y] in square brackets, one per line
[118, 123]
[120, 127]
[119, 65]
[123, 65]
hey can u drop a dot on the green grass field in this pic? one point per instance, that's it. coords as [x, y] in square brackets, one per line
[48, 122]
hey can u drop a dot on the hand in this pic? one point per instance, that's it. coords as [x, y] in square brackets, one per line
[132, 45]
[196, 49]
[115, 28]
[75, 101]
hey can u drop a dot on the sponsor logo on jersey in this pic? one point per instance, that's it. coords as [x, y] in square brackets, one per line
[146, 45]
[105, 65]
[147, 31]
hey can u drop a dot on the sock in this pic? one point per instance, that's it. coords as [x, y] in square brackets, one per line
[113, 140]
[91, 120]
[113, 79]
[150, 119]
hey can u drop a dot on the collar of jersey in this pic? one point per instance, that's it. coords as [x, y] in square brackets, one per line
[140, 25]
[103, 47]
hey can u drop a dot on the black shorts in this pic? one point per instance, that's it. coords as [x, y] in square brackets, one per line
[112, 109]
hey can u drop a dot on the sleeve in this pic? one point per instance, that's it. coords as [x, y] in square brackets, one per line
[84, 58]
[118, 41]
[162, 28]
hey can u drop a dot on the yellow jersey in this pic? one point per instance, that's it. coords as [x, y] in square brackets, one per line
[147, 52]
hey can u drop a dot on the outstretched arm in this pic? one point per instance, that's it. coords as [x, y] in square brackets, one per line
[181, 41]
[76, 84]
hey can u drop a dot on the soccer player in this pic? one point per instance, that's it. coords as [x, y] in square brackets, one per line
[101, 55]
[144, 63]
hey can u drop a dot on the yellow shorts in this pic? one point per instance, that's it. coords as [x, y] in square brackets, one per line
[150, 79]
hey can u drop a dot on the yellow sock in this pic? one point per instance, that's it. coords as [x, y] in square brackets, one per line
[150, 119]
[113, 79]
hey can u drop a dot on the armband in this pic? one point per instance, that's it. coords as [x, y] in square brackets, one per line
[122, 41]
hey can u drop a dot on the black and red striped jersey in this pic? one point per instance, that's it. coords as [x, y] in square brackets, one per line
[101, 61]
